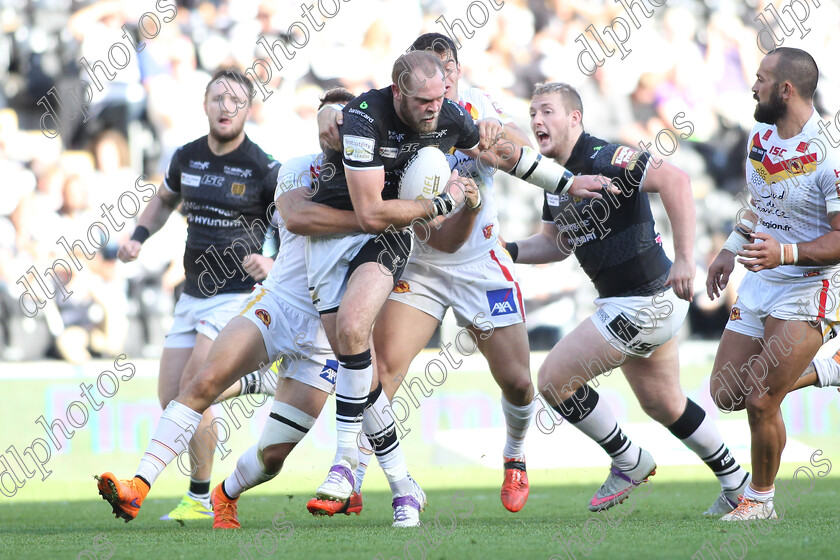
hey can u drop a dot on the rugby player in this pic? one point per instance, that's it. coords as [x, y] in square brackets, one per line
[433, 280]
[226, 183]
[642, 299]
[789, 241]
[350, 276]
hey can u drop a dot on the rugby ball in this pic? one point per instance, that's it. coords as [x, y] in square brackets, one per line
[425, 175]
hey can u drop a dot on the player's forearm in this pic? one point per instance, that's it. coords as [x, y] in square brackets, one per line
[823, 251]
[679, 205]
[311, 218]
[377, 216]
[453, 231]
[155, 214]
[543, 248]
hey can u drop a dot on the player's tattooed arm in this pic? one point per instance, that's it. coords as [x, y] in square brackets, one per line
[301, 216]
[674, 188]
[150, 221]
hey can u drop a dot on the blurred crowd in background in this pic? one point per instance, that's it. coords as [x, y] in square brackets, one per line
[693, 56]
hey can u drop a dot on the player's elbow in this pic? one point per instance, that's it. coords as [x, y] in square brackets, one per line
[371, 221]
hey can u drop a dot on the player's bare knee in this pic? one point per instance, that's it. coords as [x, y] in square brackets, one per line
[352, 334]
[518, 390]
[761, 406]
[728, 397]
[546, 375]
[202, 391]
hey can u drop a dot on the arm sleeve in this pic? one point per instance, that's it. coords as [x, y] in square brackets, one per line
[625, 166]
[172, 178]
[359, 138]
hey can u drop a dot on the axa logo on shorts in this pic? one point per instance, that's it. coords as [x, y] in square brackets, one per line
[329, 371]
[501, 302]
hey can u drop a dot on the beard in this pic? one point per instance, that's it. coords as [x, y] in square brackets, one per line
[772, 110]
[231, 134]
[418, 125]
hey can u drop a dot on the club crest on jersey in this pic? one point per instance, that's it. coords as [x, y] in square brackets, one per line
[330, 371]
[402, 287]
[238, 189]
[263, 316]
[487, 231]
[200, 164]
[470, 109]
[735, 314]
[501, 302]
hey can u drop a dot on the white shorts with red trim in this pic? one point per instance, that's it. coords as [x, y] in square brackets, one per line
[294, 340]
[478, 291]
[816, 302]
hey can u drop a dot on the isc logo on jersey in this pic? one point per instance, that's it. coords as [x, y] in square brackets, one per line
[330, 370]
[501, 302]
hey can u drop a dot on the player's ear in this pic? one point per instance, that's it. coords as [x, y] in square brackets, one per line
[395, 89]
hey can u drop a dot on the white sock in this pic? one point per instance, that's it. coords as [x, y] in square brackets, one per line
[699, 433]
[828, 371]
[381, 432]
[352, 387]
[247, 474]
[756, 496]
[517, 419]
[172, 435]
[595, 419]
[364, 459]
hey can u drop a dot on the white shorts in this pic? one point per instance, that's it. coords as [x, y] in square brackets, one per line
[816, 302]
[295, 338]
[207, 316]
[478, 291]
[637, 325]
[327, 262]
[331, 260]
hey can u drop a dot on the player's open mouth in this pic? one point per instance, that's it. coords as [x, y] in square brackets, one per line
[224, 120]
[541, 136]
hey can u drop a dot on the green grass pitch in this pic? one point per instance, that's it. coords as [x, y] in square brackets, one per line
[664, 522]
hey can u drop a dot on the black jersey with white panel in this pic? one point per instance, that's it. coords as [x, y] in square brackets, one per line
[225, 199]
[614, 238]
[374, 137]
